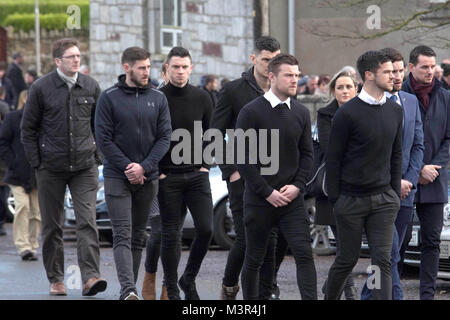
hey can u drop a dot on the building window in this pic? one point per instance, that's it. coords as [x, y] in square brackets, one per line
[171, 24]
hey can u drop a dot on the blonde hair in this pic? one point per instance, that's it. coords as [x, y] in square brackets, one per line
[22, 99]
[342, 73]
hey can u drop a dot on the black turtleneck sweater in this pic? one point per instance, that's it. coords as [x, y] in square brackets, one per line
[186, 105]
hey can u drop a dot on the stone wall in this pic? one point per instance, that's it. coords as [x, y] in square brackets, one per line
[114, 26]
[25, 43]
[313, 103]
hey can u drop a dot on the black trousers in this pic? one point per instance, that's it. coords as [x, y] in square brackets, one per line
[236, 254]
[431, 221]
[175, 191]
[4, 192]
[376, 214]
[293, 223]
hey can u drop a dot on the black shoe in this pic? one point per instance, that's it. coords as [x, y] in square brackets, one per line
[33, 257]
[275, 293]
[2, 230]
[26, 255]
[190, 292]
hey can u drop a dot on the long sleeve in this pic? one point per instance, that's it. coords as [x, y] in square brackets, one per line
[6, 138]
[223, 120]
[30, 126]
[162, 144]
[396, 160]
[442, 156]
[323, 128]
[338, 141]
[306, 155]
[206, 124]
[250, 172]
[416, 158]
[104, 127]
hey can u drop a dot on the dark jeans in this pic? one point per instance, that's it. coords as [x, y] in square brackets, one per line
[293, 223]
[128, 207]
[177, 190]
[83, 186]
[431, 221]
[237, 252]
[154, 241]
[376, 214]
[404, 216]
[4, 192]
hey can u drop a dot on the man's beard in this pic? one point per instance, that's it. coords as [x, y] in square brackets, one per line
[136, 81]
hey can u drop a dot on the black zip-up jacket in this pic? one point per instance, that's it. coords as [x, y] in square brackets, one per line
[232, 98]
[18, 172]
[57, 128]
[132, 125]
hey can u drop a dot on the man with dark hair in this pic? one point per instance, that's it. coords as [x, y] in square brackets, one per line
[210, 86]
[11, 95]
[364, 169]
[233, 96]
[446, 76]
[412, 156]
[132, 124]
[276, 200]
[57, 131]
[15, 73]
[434, 102]
[30, 77]
[184, 179]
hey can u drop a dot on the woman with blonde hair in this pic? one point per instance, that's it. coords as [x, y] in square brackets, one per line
[22, 99]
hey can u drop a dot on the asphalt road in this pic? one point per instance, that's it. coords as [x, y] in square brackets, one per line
[21, 280]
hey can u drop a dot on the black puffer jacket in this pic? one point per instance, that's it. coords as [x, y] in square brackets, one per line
[58, 123]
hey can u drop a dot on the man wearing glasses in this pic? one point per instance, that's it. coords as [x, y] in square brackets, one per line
[58, 137]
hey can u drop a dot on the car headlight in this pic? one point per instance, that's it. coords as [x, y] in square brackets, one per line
[447, 215]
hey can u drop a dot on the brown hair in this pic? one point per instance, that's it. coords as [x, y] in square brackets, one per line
[133, 54]
[61, 45]
[278, 60]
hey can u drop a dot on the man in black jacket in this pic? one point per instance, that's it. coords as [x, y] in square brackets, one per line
[20, 177]
[15, 73]
[232, 98]
[57, 131]
[133, 130]
[434, 103]
[11, 94]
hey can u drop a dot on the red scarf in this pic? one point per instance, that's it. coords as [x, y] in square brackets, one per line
[422, 91]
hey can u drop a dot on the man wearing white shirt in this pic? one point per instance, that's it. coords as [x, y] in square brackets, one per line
[276, 199]
[364, 163]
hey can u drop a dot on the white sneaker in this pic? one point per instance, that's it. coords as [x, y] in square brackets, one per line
[132, 296]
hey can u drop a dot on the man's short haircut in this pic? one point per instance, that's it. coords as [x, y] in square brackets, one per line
[3, 65]
[210, 78]
[278, 60]
[420, 50]
[178, 52]
[32, 73]
[2, 91]
[446, 68]
[393, 54]
[266, 43]
[16, 55]
[133, 54]
[61, 45]
[163, 67]
[370, 61]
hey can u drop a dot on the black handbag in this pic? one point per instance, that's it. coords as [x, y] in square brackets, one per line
[317, 186]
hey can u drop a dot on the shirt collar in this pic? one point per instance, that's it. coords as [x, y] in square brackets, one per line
[389, 95]
[364, 96]
[274, 100]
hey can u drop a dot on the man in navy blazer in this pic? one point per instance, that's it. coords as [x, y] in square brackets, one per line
[412, 157]
[431, 195]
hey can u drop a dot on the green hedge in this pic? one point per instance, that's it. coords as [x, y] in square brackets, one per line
[53, 16]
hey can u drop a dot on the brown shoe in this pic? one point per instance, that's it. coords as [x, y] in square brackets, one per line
[94, 286]
[149, 286]
[229, 293]
[58, 289]
[164, 295]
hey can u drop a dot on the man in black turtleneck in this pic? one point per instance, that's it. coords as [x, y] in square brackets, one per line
[184, 181]
[133, 124]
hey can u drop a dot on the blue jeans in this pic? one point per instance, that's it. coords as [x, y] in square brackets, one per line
[404, 216]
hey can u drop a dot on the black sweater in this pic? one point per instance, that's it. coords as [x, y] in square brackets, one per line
[295, 148]
[365, 149]
[186, 105]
